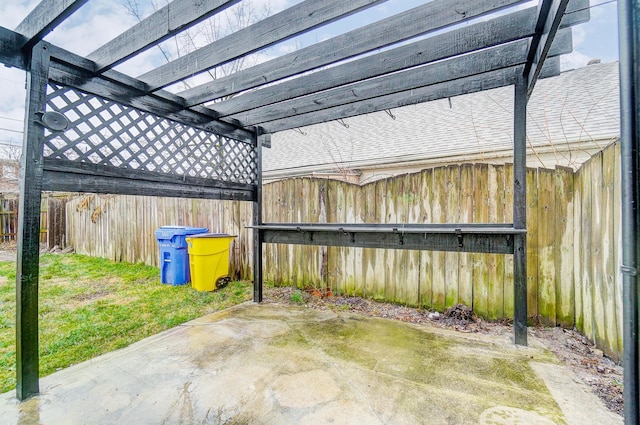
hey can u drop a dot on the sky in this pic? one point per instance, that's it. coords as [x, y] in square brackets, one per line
[101, 20]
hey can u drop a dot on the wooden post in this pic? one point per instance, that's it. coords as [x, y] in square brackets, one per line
[31, 163]
[520, 211]
[257, 220]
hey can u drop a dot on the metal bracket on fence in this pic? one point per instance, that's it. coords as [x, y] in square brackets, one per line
[459, 236]
[629, 271]
[400, 235]
[308, 234]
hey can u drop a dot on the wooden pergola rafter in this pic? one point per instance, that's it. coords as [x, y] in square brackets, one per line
[91, 128]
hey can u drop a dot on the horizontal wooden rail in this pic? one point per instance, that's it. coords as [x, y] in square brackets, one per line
[482, 238]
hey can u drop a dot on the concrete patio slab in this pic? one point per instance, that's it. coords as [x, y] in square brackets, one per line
[270, 364]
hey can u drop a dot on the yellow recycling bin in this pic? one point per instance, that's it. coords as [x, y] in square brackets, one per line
[208, 259]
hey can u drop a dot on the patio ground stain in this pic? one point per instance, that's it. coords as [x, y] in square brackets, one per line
[270, 364]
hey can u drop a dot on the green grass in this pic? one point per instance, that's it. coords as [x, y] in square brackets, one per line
[90, 306]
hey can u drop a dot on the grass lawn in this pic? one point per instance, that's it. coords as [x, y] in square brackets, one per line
[90, 306]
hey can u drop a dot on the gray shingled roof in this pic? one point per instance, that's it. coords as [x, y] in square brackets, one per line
[578, 106]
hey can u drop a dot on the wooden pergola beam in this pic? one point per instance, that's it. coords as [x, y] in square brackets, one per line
[175, 17]
[549, 19]
[293, 21]
[11, 48]
[471, 84]
[503, 56]
[418, 21]
[47, 15]
[453, 43]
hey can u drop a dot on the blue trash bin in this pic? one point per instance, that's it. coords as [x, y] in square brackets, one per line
[174, 257]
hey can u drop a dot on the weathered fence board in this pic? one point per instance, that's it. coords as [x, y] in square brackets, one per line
[508, 259]
[563, 257]
[465, 261]
[532, 244]
[495, 298]
[586, 255]
[546, 247]
[597, 266]
[573, 240]
[426, 257]
[608, 253]
[438, 211]
[452, 215]
[617, 247]
[480, 215]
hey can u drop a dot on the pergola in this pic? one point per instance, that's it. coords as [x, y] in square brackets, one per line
[90, 128]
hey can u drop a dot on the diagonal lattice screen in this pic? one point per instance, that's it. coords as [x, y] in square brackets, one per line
[107, 133]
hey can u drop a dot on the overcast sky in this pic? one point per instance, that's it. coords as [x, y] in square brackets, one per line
[101, 20]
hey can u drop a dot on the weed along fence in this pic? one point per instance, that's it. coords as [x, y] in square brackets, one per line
[573, 251]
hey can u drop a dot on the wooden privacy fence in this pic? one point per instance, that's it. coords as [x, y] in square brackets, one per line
[573, 244]
[8, 219]
[52, 220]
[122, 227]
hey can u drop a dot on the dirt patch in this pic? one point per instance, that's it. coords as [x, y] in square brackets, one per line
[8, 250]
[82, 298]
[574, 350]
[602, 374]
[7, 255]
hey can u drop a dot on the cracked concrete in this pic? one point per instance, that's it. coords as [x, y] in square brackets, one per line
[270, 364]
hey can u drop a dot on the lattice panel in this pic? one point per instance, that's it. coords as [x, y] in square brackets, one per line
[107, 133]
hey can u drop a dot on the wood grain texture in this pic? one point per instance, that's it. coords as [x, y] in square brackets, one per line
[508, 287]
[438, 211]
[532, 244]
[563, 260]
[609, 245]
[480, 261]
[598, 289]
[546, 248]
[452, 215]
[465, 261]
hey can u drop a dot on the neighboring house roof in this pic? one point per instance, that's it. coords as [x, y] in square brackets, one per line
[573, 112]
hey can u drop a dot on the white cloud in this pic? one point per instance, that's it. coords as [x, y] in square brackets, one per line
[90, 28]
[573, 60]
[13, 12]
[579, 35]
[12, 104]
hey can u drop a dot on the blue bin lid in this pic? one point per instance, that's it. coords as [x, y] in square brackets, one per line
[168, 232]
